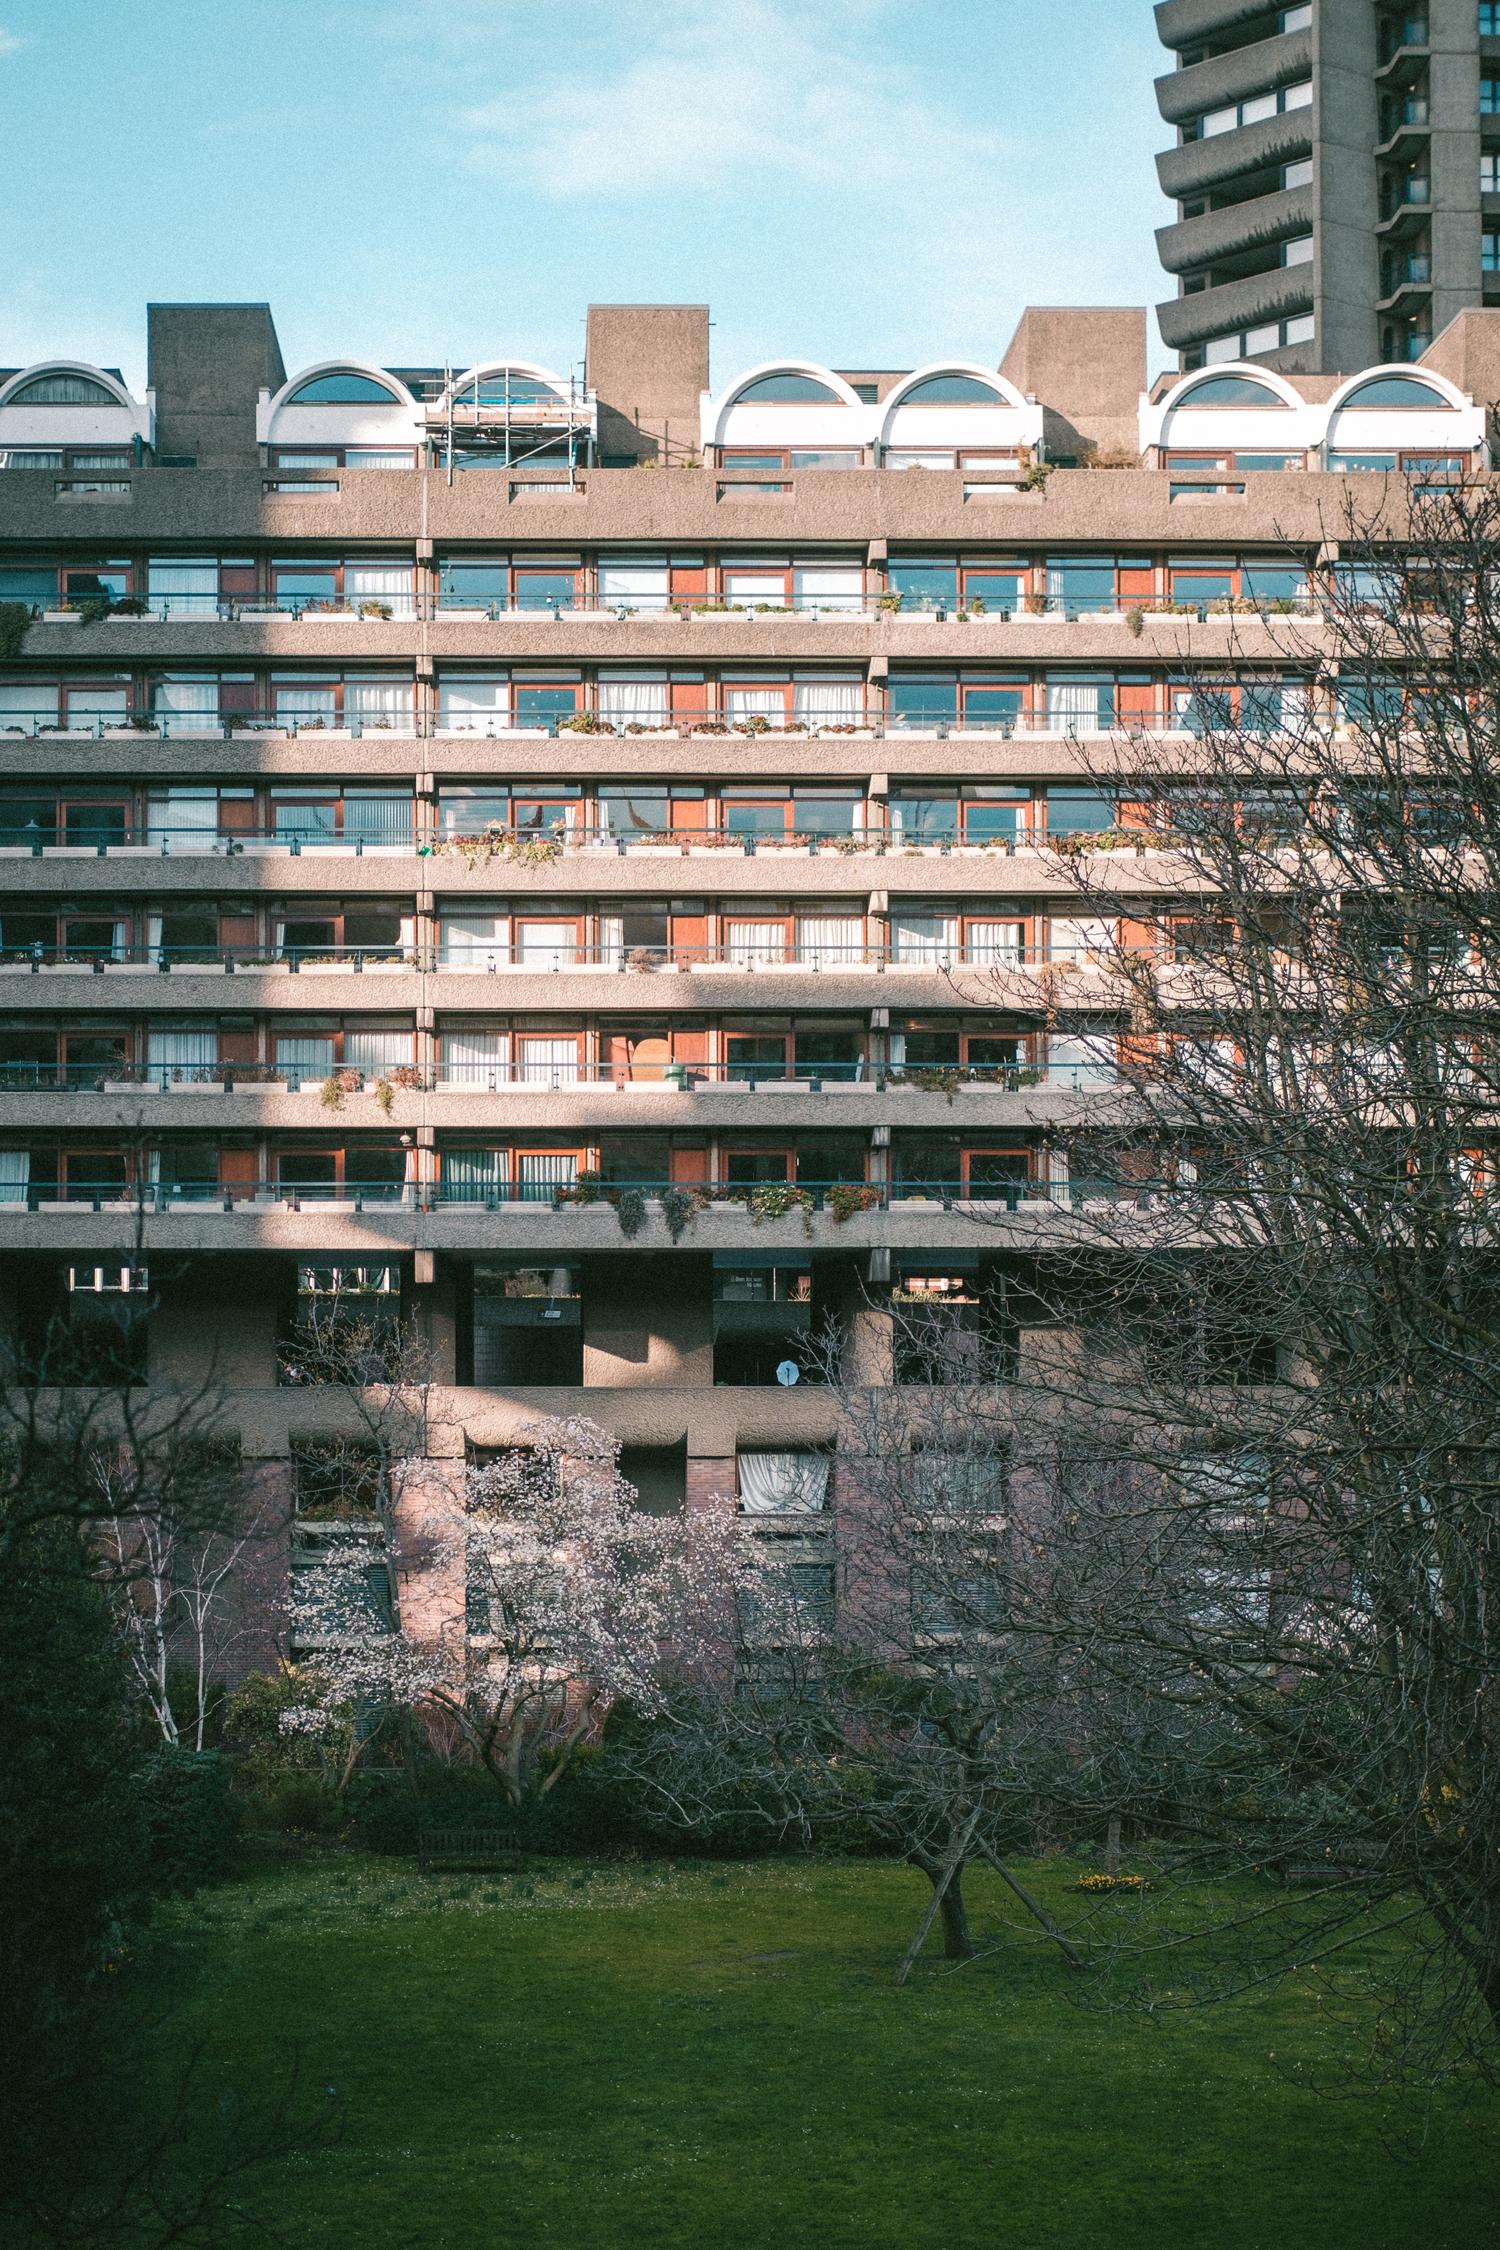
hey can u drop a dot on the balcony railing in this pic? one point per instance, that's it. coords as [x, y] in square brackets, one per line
[865, 722]
[751, 958]
[840, 1200]
[507, 1078]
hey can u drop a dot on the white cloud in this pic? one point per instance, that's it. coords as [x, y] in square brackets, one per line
[722, 101]
[9, 43]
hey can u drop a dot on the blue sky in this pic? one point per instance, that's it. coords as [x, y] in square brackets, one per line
[867, 182]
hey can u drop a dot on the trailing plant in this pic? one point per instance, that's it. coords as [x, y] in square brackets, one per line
[129, 605]
[1135, 623]
[584, 722]
[777, 1199]
[15, 617]
[889, 604]
[847, 1202]
[376, 609]
[630, 1210]
[336, 1085]
[93, 612]
[679, 1208]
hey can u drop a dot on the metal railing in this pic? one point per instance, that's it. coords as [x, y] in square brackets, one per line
[752, 959]
[840, 1200]
[487, 1078]
[866, 722]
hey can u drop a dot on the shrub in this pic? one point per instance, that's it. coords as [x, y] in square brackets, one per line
[191, 1818]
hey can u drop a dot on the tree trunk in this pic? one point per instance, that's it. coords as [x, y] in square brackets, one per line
[958, 1945]
[1112, 1846]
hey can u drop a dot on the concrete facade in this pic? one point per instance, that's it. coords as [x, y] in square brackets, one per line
[613, 913]
[1329, 175]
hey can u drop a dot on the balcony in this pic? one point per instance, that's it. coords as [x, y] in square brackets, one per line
[1258, 301]
[1183, 23]
[1240, 226]
[1231, 77]
[1190, 171]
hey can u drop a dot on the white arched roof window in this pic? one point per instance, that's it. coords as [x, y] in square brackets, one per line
[1400, 409]
[517, 382]
[340, 402]
[955, 403]
[70, 402]
[1236, 405]
[787, 403]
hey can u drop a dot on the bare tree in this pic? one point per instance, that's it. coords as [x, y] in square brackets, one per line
[1276, 1419]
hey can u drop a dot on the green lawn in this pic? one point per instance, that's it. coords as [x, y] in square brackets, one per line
[716, 2057]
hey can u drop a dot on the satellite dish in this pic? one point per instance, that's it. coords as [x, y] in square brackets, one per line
[788, 1373]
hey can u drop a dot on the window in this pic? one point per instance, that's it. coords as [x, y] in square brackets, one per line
[1299, 174]
[63, 390]
[1250, 111]
[1297, 250]
[1489, 19]
[790, 389]
[1489, 175]
[1231, 390]
[1395, 390]
[952, 390]
[1489, 251]
[1489, 97]
[782, 1484]
[1296, 19]
[525, 1326]
[342, 386]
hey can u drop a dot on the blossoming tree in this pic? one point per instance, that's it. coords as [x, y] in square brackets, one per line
[573, 1598]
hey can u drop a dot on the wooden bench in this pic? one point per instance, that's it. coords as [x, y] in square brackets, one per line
[464, 1848]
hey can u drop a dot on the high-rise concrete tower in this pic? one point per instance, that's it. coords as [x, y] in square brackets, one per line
[1336, 175]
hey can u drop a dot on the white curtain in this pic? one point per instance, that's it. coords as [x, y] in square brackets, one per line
[384, 703]
[183, 588]
[546, 945]
[181, 1050]
[375, 1052]
[756, 945]
[1073, 706]
[611, 941]
[783, 1484]
[1084, 940]
[15, 1174]
[828, 703]
[473, 1058]
[187, 706]
[633, 585]
[547, 1062]
[627, 700]
[543, 1171]
[182, 813]
[468, 706]
[476, 941]
[755, 703]
[830, 937]
[27, 704]
[924, 937]
[1079, 1060]
[302, 700]
[475, 1172]
[755, 586]
[995, 945]
[829, 587]
[304, 1055]
[379, 582]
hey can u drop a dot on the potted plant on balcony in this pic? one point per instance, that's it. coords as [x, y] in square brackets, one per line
[337, 1085]
[777, 1199]
[847, 1202]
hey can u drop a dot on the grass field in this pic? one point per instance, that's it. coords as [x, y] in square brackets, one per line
[580, 2058]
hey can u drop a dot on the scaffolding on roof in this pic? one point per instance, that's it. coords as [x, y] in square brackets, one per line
[517, 417]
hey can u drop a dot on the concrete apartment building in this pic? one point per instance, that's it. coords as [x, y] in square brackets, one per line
[575, 860]
[1336, 176]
